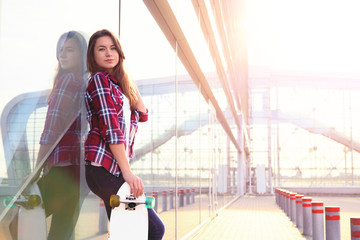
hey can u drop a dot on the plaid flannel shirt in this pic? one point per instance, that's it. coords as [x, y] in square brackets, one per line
[104, 104]
[63, 123]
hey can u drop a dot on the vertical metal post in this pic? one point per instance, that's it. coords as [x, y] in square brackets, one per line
[318, 220]
[307, 218]
[187, 196]
[155, 195]
[171, 199]
[176, 140]
[351, 139]
[199, 151]
[164, 200]
[299, 211]
[240, 170]
[344, 129]
[193, 195]
[103, 219]
[119, 29]
[355, 228]
[210, 156]
[282, 199]
[181, 197]
[293, 207]
[269, 138]
[332, 223]
[249, 169]
[288, 206]
[228, 174]
[278, 148]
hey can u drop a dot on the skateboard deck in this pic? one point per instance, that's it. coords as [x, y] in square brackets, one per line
[129, 216]
[31, 214]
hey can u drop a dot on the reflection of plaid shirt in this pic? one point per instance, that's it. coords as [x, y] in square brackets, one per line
[104, 104]
[63, 122]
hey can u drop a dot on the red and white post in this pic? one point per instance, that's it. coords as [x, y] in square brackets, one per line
[318, 220]
[332, 224]
[288, 209]
[193, 195]
[307, 218]
[282, 199]
[293, 207]
[164, 200]
[103, 219]
[299, 211]
[171, 199]
[155, 195]
[355, 228]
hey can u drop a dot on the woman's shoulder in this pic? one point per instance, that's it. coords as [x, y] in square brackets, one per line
[103, 78]
[100, 74]
[68, 79]
[99, 77]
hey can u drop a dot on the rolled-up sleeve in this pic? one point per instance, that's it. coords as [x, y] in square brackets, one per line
[143, 116]
[104, 108]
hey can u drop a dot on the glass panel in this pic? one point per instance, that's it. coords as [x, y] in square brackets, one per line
[199, 45]
[152, 63]
[31, 42]
[189, 119]
[194, 162]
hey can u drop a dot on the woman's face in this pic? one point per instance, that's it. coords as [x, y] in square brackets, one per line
[105, 53]
[70, 55]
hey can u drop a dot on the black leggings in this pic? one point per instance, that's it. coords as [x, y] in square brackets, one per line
[60, 189]
[104, 184]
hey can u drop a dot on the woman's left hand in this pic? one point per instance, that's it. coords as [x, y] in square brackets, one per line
[135, 183]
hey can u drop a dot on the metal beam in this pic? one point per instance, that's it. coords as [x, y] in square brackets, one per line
[234, 46]
[311, 125]
[200, 7]
[234, 18]
[303, 80]
[166, 19]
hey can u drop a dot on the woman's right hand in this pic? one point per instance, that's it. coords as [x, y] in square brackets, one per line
[135, 183]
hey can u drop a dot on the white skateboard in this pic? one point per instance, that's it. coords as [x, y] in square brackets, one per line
[129, 216]
[31, 214]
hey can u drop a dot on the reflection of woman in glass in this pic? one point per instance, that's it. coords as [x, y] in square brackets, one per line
[61, 138]
[114, 108]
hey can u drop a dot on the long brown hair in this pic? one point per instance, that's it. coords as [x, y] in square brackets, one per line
[82, 45]
[126, 84]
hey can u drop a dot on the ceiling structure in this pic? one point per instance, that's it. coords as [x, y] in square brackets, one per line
[229, 18]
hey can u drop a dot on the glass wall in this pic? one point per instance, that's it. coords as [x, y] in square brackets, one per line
[182, 153]
[312, 132]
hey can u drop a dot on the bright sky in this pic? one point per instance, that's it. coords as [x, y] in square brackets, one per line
[308, 35]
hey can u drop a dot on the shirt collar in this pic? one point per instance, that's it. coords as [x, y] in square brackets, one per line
[108, 75]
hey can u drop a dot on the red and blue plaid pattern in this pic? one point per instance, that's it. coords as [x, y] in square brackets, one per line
[104, 104]
[63, 123]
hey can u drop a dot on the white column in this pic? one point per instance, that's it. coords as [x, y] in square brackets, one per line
[240, 162]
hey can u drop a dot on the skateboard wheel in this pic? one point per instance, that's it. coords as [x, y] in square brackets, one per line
[149, 202]
[6, 202]
[114, 201]
[34, 200]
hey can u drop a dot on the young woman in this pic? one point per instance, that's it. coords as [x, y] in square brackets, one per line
[114, 108]
[60, 142]
[61, 137]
